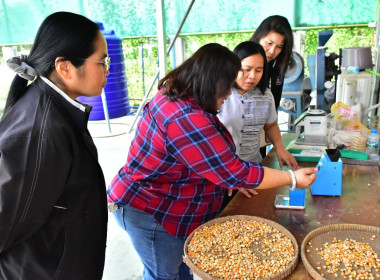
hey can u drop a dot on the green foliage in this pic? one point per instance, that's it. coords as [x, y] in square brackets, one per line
[342, 38]
[141, 54]
[135, 62]
[230, 40]
[141, 62]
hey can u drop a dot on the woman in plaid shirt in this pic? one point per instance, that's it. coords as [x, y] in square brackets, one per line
[182, 161]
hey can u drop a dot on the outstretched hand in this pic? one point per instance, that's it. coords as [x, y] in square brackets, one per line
[305, 176]
[288, 158]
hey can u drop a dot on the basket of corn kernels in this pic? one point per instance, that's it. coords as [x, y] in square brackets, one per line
[241, 247]
[342, 251]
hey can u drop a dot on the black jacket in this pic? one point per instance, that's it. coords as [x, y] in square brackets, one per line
[276, 82]
[53, 213]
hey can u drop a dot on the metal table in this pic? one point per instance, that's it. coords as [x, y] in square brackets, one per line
[359, 204]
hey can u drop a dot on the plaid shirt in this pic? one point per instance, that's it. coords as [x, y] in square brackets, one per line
[179, 165]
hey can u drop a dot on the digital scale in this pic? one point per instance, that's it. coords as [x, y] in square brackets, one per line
[311, 128]
[283, 202]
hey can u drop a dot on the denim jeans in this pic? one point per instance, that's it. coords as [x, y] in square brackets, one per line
[160, 252]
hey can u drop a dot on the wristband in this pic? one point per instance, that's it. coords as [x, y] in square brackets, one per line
[294, 182]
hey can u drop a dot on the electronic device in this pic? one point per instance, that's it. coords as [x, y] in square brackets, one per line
[282, 201]
[311, 128]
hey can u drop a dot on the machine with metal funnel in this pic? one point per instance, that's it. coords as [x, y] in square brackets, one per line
[298, 92]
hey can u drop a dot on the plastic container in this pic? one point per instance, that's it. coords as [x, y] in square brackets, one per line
[115, 91]
[372, 146]
[297, 197]
[358, 142]
[331, 128]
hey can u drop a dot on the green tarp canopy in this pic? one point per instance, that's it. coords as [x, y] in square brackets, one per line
[19, 19]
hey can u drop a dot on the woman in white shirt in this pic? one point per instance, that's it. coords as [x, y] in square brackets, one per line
[250, 108]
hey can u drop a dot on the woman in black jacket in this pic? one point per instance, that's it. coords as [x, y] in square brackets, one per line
[275, 35]
[53, 213]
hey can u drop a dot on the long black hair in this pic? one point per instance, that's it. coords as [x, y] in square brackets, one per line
[207, 75]
[278, 24]
[246, 49]
[61, 34]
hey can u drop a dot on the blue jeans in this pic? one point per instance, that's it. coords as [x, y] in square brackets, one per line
[160, 252]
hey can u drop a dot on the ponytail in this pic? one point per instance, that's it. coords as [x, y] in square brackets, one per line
[19, 84]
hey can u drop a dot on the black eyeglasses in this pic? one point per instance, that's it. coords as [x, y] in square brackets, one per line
[106, 62]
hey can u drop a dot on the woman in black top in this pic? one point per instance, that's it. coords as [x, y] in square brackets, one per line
[275, 35]
[53, 206]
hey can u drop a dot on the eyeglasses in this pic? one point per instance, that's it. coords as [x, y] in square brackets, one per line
[106, 62]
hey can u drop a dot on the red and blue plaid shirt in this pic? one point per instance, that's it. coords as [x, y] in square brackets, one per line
[179, 166]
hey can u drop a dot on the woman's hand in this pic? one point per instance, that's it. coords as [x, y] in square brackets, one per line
[272, 132]
[283, 155]
[246, 192]
[305, 177]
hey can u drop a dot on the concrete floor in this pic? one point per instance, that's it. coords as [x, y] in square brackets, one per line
[122, 261]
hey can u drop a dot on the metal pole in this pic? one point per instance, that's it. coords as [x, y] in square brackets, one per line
[161, 35]
[320, 77]
[81, 8]
[376, 79]
[180, 26]
[105, 109]
[143, 66]
[156, 76]
[143, 102]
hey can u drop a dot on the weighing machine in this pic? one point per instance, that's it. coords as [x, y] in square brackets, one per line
[311, 128]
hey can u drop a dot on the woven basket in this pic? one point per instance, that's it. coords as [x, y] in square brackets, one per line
[199, 274]
[318, 237]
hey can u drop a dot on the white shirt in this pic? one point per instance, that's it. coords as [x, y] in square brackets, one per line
[245, 116]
